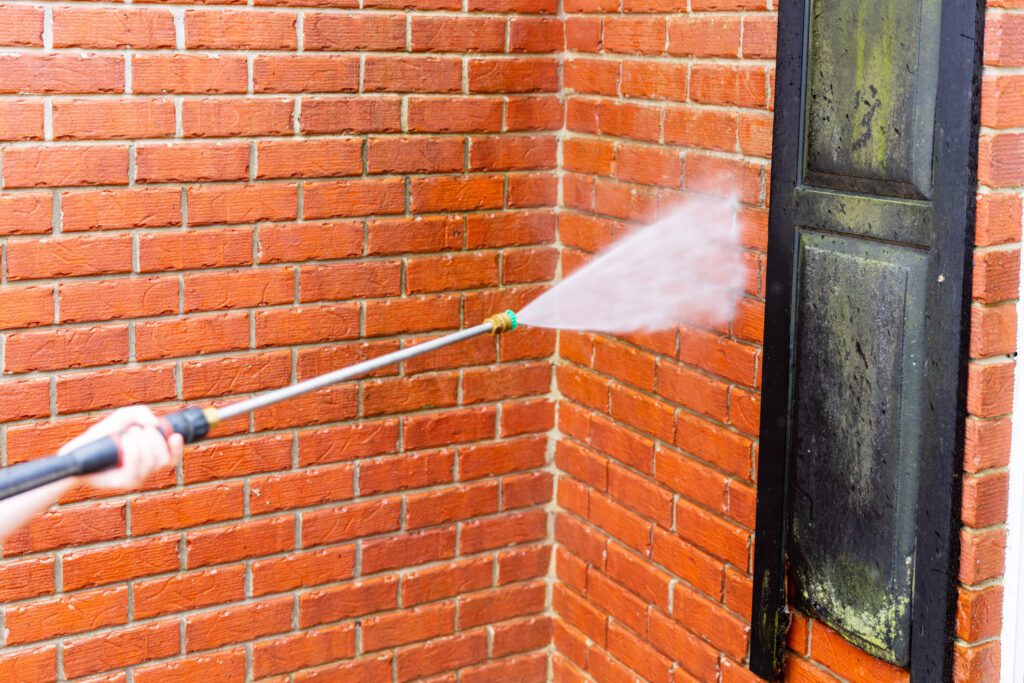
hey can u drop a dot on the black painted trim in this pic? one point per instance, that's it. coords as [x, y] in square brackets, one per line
[957, 121]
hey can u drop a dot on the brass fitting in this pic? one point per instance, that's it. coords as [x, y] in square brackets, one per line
[502, 322]
[211, 415]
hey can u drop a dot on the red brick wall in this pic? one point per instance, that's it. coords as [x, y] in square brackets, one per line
[201, 202]
[657, 455]
[993, 341]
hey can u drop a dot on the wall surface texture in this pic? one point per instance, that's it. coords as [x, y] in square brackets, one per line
[202, 201]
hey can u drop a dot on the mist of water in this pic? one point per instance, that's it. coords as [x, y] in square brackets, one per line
[687, 268]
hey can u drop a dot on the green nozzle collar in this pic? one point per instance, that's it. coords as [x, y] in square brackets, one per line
[512, 316]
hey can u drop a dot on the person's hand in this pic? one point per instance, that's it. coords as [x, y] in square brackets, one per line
[143, 448]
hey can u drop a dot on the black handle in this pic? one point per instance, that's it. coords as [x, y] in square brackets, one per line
[94, 456]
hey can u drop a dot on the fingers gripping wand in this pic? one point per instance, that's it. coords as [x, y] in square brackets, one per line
[195, 423]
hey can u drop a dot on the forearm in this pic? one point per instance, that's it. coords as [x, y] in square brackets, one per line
[16, 511]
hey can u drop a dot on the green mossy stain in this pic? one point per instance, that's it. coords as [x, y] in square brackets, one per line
[854, 606]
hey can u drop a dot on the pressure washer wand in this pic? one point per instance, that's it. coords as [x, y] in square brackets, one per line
[195, 423]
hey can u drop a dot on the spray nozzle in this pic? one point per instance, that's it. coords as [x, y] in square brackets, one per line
[502, 322]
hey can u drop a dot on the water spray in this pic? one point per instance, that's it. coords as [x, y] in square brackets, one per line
[195, 423]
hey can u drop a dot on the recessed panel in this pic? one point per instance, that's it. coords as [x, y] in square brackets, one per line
[872, 76]
[855, 443]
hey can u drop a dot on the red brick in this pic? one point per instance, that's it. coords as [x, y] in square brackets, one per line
[513, 76]
[990, 388]
[452, 504]
[688, 562]
[121, 648]
[580, 613]
[987, 444]
[457, 34]
[26, 213]
[247, 539]
[365, 669]
[982, 555]
[69, 257]
[88, 568]
[308, 158]
[302, 570]
[109, 28]
[985, 499]
[979, 613]
[1003, 33]
[65, 348]
[328, 199]
[118, 209]
[96, 300]
[505, 530]
[28, 579]
[979, 663]
[693, 654]
[350, 521]
[1002, 101]
[239, 30]
[348, 442]
[65, 615]
[303, 650]
[425, 431]
[999, 160]
[193, 162]
[113, 388]
[447, 115]
[192, 335]
[407, 471]
[351, 115]
[348, 600]
[442, 654]
[183, 73]
[305, 73]
[637, 655]
[998, 219]
[654, 80]
[410, 626]
[101, 120]
[238, 289]
[536, 34]
[222, 665]
[996, 275]
[350, 33]
[435, 583]
[704, 36]
[592, 77]
[522, 636]
[39, 73]
[406, 394]
[725, 85]
[21, 26]
[415, 155]
[187, 508]
[711, 621]
[528, 669]
[195, 249]
[57, 166]
[304, 488]
[504, 603]
[412, 74]
[338, 281]
[25, 398]
[208, 630]
[830, 649]
[236, 117]
[334, 404]
[635, 35]
[188, 591]
[35, 664]
[524, 490]
[496, 459]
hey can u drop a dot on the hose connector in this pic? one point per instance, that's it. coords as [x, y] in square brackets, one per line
[503, 322]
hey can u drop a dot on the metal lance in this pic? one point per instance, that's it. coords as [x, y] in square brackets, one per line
[195, 423]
